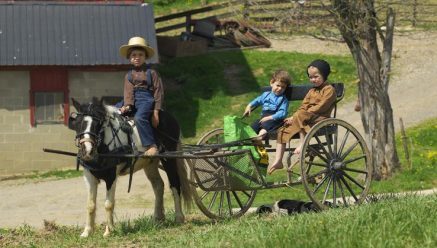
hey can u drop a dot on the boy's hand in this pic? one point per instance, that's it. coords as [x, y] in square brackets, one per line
[247, 110]
[265, 118]
[288, 121]
[125, 109]
[155, 118]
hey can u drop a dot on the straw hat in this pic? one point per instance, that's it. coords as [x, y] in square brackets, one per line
[137, 42]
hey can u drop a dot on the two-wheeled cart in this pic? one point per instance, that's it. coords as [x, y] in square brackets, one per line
[335, 168]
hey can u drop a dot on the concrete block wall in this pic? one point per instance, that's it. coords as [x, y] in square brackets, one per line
[20, 144]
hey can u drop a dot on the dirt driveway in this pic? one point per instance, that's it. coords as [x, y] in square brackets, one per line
[413, 93]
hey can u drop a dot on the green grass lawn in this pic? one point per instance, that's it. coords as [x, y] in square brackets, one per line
[388, 222]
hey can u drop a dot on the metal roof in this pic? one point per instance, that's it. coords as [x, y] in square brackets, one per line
[55, 33]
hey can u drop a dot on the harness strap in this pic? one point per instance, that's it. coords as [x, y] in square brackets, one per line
[83, 140]
[149, 81]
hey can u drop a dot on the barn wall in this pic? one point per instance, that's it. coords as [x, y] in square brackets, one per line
[20, 144]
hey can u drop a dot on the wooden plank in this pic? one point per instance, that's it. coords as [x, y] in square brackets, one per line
[169, 28]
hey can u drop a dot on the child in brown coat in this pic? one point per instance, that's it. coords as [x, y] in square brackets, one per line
[316, 106]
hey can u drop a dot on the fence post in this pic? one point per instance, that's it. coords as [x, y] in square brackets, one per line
[405, 143]
[188, 23]
[414, 21]
[246, 6]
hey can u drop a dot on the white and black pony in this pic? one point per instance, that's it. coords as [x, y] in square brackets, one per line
[101, 130]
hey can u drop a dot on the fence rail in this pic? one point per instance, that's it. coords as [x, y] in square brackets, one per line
[281, 15]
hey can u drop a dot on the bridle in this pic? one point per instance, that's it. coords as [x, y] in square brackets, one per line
[96, 138]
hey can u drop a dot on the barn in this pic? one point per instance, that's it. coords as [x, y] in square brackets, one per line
[51, 52]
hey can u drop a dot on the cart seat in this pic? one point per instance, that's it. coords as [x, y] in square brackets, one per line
[298, 93]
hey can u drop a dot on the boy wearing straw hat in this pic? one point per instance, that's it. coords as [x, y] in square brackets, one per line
[143, 90]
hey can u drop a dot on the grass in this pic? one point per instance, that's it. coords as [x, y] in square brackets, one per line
[422, 173]
[54, 174]
[165, 7]
[388, 222]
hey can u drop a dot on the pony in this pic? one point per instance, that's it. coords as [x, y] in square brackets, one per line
[101, 130]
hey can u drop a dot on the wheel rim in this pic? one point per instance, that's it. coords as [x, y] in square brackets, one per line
[218, 204]
[335, 163]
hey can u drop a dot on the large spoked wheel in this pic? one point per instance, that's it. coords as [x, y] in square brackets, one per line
[217, 204]
[336, 164]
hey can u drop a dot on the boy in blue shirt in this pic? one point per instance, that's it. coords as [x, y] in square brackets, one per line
[274, 104]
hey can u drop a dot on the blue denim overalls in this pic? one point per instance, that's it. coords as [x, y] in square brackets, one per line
[144, 103]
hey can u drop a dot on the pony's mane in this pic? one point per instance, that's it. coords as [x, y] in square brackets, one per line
[111, 110]
[94, 108]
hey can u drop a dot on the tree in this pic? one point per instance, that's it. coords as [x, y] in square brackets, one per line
[357, 22]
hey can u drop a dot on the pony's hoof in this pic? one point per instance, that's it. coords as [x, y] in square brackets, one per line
[107, 232]
[85, 234]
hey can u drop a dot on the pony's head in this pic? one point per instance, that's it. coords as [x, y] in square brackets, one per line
[88, 123]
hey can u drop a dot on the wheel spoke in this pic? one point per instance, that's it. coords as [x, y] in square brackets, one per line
[244, 192]
[343, 143]
[342, 194]
[327, 190]
[310, 164]
[206, 192]
[335, 134]
[334, 191]
[349, 188]
[318, 173]
[355, 159]
[214, 197]
[320, 184]
[318, 154]
[221, 203]
[355, 170]
[353, 180]
[328, 155]
[328, 143]
[237, 199]
[349, 150]
[315, 163]
[228, 197]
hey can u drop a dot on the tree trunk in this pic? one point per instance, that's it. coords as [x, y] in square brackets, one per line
[357, 23]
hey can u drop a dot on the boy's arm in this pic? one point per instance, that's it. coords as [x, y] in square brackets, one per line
[128, 92]
[254, 103]
[158, 96]
[158, 89]
[282, 110]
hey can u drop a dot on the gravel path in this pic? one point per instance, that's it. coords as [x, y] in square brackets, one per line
[413, 92]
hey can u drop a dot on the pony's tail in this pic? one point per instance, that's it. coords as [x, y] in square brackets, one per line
[186, 192]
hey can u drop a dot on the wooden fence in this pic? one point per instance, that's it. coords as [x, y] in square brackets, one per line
[291, 15]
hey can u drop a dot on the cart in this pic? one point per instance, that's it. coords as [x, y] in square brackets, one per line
[335, 167]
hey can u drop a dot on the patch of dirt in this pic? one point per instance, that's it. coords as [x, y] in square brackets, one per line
[412, 93]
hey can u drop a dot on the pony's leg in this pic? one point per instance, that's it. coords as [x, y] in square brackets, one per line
[109, 207]
[152, 173]
[180, 218]
[91, 184]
